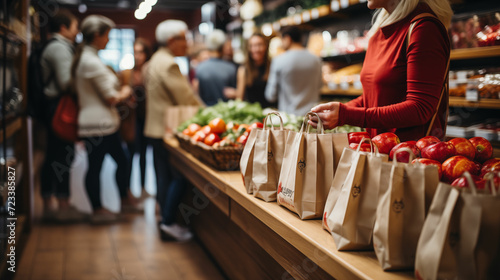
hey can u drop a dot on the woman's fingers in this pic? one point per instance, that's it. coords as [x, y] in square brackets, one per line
[322, 107]
[313, 124]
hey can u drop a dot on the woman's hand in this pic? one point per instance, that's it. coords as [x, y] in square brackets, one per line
[230, 92]
[328, 113]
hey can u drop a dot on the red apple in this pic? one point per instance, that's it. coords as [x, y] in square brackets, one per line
[484, 150]
[490, 165]
[405, 156]
[463, 147]
[385, 142]
[438, 151]
[365, 147]
[426, 141]
[427, 161]
[463, 183]
[454, 167]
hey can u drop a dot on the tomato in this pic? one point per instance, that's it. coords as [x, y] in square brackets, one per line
[232, 126]
[199, 136]
[242, 128]
[217, 125]
[256, 125]
[187, 132]
[193, 128]
[225, 142]
[211, 139]
[206, 129]
[242, 139]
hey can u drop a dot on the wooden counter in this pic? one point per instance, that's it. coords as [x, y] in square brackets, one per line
[302, 248]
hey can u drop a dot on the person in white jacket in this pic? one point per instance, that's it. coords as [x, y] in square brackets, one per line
[99, 90]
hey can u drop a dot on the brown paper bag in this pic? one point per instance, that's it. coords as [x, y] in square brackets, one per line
[353, 216]
[435, 258]
[401, 211]
[461, 235]
[246, 161]
[176, 115]
[267, 159]
[307, 172]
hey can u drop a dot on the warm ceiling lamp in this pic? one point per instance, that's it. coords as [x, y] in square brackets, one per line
[250, 9]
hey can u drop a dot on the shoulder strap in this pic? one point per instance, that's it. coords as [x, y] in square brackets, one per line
[445, 79]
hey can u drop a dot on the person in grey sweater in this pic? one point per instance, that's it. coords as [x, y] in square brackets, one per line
[215, 75]
[55, 64]
[295, 76]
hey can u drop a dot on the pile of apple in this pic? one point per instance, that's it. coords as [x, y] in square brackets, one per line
[452, 158]
[219, 134]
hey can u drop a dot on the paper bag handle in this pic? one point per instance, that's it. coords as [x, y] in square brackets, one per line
[405, 149]
[373, 148]
[268, 117]
[490, 180]
[308, 126]
[470, 182]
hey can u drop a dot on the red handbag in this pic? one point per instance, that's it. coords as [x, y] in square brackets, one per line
[65, 120]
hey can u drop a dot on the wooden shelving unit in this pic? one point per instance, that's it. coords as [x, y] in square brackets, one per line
[348, 57]
[482, 104]
[348, 92]
[11, 128]
[473, 53]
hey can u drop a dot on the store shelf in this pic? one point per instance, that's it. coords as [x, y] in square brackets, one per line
[348, 58]
[483, 103]
[473, 53]
[12, 127]
[348, 92]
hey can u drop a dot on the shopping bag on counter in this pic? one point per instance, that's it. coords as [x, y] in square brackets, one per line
[267, 158]
[307, 171]
[460, 236]
[246, 161]
[353, 215]
[176, 115]
[406, 194]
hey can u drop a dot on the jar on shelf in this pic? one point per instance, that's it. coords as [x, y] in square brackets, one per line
[489, 86]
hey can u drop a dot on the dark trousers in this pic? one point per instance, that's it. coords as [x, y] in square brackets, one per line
[58, 158]
[56, 166]
[170, 183]
[139, 146]
[97, 147]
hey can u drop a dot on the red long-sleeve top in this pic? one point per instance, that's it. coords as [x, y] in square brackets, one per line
[401, 87]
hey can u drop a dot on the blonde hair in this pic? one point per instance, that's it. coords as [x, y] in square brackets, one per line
[381, 18]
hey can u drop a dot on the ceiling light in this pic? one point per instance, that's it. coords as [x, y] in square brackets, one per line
[251, 9]
[151, 2]
[139, 14]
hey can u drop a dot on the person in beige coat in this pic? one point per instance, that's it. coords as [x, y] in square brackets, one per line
[166, 86]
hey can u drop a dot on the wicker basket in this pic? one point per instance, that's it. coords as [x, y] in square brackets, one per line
[222, 158]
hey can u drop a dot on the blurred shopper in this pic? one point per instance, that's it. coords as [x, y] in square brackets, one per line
[295, 76]
[55, 65]
[402, 83]
[98, 90]
[195, 58]
[215, 74]
[166, 86]
[134, 112]
[253, 75]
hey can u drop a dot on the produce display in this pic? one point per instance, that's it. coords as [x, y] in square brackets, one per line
[228, 124]
[453, 157]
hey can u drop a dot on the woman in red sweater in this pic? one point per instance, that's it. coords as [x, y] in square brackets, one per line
[402, 83]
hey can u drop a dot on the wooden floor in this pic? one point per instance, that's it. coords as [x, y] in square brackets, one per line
[129, 250]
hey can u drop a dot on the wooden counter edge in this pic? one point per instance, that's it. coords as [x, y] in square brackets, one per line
[361, 265]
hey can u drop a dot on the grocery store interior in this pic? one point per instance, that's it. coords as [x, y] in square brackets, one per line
[112, 220]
